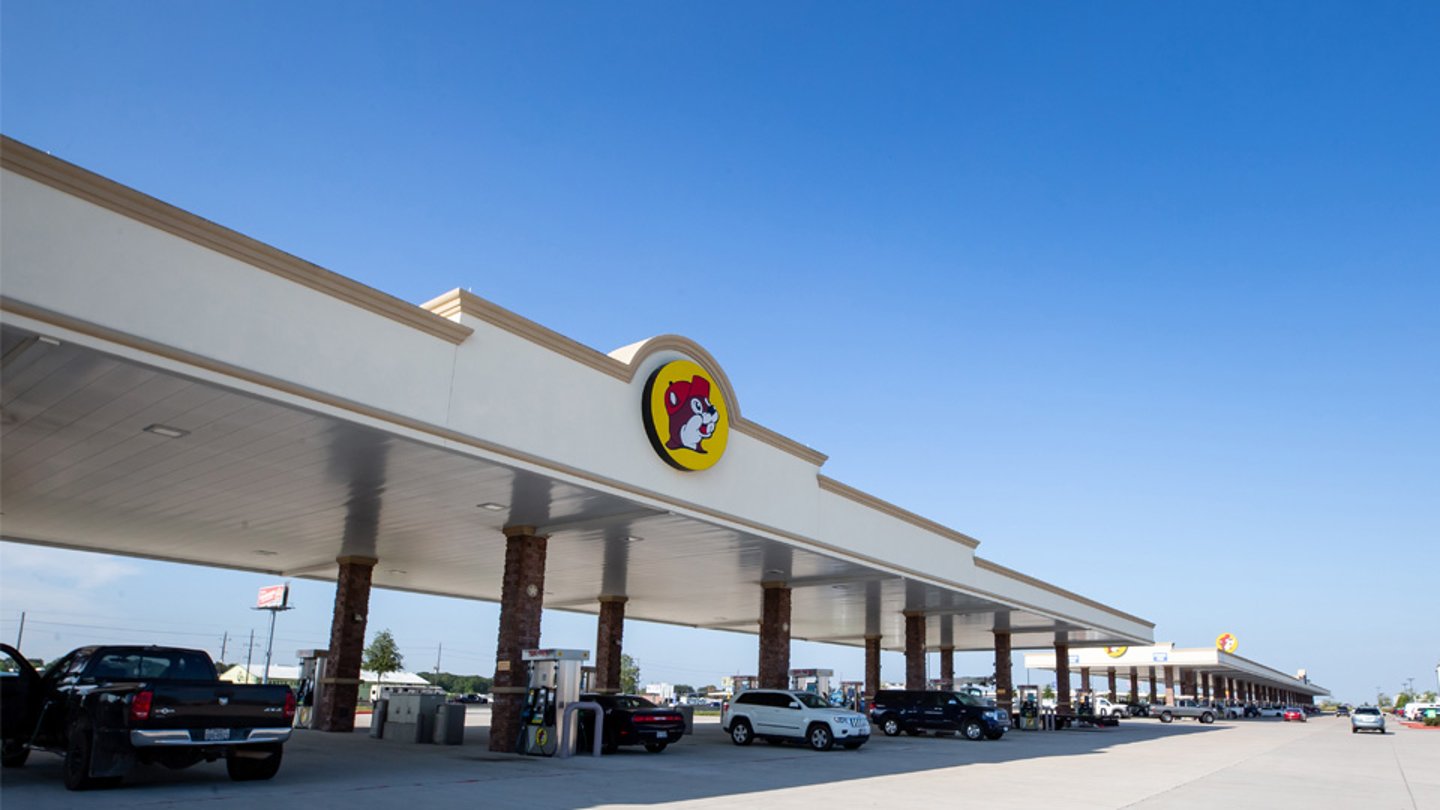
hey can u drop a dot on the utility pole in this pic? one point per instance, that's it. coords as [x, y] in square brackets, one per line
[21, 635]
[224, 641]
[438, 649]
[249, 652]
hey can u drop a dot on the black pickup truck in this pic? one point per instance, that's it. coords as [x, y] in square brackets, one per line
[106, 709]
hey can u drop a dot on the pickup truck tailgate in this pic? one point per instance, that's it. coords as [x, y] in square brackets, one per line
[216, 706]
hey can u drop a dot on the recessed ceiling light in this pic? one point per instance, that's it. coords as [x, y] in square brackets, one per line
[47, 340]
[493, 507]
[167, 431]
[398, 571]
[265, 552]
[635, 539]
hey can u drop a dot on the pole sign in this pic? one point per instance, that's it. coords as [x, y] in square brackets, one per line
[1226, 642]
[1116, 652]
[273, 597]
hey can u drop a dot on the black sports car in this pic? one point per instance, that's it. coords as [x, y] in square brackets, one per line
[631, 720]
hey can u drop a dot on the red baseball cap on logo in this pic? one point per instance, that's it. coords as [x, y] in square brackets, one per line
[681, 391]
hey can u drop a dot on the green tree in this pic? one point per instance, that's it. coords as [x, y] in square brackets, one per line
[683, 689]
[629, 675]
[1402, 699]
[382, 656]
[1048, 693]
[1428, 697]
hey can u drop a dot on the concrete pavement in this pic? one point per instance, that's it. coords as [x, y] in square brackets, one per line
[1240, 764]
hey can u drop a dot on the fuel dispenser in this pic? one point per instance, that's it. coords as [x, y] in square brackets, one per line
[1029, 695]
[554, 684]
[816, 681]
[310, 685]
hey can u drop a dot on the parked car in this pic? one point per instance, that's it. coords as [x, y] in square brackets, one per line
[1138, 709]
[1342, 711]
[1203, 712]
[1104, 708]
[1233, 711]
[1268, 711]
[631, 720]
[780, 715]
[106, 709]
[916, 711]
[1293, 713]
[1367, 718]
[473, 698]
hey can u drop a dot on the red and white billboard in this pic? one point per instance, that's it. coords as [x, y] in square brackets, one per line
[273, 596]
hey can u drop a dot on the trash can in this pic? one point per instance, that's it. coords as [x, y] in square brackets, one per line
[449, 724]
[377, 717]
[688, 712]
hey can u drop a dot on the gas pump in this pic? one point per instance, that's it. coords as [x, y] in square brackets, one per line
[812, 680]
[310, 685]
[554, 684]
[1029, 695]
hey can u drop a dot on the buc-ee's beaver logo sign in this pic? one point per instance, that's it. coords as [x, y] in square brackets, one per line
[685, 416]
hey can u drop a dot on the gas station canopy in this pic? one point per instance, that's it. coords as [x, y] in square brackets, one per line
[1197, 660]
[177, 391]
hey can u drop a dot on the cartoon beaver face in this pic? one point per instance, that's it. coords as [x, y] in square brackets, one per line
[692, 417]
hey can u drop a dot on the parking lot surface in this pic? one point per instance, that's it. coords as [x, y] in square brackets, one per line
[1239, 764]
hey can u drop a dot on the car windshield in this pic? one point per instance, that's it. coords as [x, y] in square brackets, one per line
[813, 701]
[970, 700]
[176, 665]
[1367, 711]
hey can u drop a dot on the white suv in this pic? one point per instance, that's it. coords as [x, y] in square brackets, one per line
[776, 715]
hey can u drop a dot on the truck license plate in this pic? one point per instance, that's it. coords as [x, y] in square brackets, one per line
[217, 734]
[660, 735]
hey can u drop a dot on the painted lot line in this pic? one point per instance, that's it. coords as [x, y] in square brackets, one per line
[1143, 764]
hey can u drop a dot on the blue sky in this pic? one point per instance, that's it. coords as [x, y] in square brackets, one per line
[1143, 296]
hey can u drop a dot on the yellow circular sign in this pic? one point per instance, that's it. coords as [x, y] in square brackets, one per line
[1116, 652]
[685, 416]
[1226, 643]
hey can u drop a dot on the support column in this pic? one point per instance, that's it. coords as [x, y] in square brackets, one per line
[915, 650]
[522, 594]
[947, 669]
[872, 665]
[609, 635]
[336, 711]
[775, 636]
[1004, 677]
[1062, 677]
[1169, 685]
[1134, 684]
[1154, 697]
[1085, 679]
[1205, 685]
[1110, 675]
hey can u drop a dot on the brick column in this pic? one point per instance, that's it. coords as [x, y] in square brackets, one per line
[609, 633]
[1110, 676]
[1085, 679]
[872, 665]
[336, 711]
[1154, 697]
[1062, 677]
[1134, 684]
[947, 669]
[1205, 685]
[775, 636]
[1169, 685]
[522, 593]
[915, 650]
[1004, 677]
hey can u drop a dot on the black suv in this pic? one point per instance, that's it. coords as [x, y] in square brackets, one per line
[897, 710]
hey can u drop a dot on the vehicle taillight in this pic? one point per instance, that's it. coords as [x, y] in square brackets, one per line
[140, 705]
[724, 706]
[289, 705]
[871, 704]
